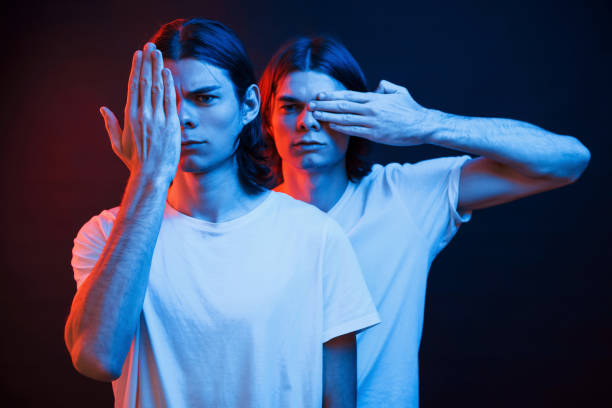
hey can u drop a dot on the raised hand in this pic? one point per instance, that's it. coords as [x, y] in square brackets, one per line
[389, 115]
[150, 141]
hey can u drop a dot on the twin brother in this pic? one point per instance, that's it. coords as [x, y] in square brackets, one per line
[257, 259]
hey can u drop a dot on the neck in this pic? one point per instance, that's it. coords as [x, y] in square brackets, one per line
[319, 187]
[214, 196]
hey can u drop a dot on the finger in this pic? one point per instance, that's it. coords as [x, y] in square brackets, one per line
[340, 106]
[157, 88]
[146, 77]
[342, 118]
[131, 106]
[112, 127]
[359, 131]
[360, 97]
[389, 88]
[380, 88]
[169, 95]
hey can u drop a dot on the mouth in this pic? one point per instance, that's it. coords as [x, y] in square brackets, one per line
[191, 143]
[304, 146]
[307, 143]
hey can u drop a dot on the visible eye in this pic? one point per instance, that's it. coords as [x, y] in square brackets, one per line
[204, 98]
[290, 107]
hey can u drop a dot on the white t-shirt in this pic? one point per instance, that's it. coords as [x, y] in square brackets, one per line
[398, 218]
[236, 312]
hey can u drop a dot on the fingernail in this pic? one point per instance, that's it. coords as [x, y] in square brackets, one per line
[321, 95]
[312, 105]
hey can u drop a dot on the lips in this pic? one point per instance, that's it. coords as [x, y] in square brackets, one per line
[307, 143]
[192, 142]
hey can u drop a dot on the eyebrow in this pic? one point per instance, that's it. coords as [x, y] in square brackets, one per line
[205, 89]
[287, 98]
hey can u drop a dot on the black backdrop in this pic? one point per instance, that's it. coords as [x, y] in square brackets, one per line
[518, 308]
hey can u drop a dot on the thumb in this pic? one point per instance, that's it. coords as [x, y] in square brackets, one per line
[112, 127]
[387, 87]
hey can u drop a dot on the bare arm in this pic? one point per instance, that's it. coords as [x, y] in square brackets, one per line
[107, 307]
[340, 372]
[516, 159]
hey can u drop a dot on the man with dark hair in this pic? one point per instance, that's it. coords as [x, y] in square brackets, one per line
[204, 289]
[400, 216]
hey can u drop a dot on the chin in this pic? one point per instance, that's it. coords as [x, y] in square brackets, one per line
[203, 165]
[310, 162]
[188, 165]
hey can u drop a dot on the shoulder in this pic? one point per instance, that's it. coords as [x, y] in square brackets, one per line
[394, 173]
[305, 219]
[426, 166]
[98, 226]
[293, 207]
[90, 241]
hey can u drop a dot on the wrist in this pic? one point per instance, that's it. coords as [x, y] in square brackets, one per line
[150, 178]
[439, 127]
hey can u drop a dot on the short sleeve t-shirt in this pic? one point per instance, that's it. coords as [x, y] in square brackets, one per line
[236, 312]
[398, 218]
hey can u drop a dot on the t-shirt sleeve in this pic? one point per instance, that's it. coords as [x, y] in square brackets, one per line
[89, 243]
[347, 303]
[430, 190]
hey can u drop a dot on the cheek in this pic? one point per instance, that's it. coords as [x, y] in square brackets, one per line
[223, 118]
[282, 127]
[341, 140]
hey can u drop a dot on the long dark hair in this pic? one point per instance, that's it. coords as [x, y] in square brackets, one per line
[214, 43]
[327, 56]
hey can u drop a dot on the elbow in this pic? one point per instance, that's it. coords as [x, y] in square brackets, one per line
[94, 366]
[578, 160]
[87, 361]
[571, 165]
[582, 160]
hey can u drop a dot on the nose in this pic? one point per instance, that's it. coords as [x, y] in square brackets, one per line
[306, 121]
[186, 116]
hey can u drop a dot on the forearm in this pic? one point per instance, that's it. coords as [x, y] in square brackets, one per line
[107, 307]
[526, 148]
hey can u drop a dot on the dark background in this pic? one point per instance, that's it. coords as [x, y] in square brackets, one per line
[518, 307]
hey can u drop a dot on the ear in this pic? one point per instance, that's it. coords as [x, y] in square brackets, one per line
[251, 104]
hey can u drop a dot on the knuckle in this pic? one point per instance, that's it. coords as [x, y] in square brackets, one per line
[145, 82]
[143, 118]
[160, 118]
[156, 89]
